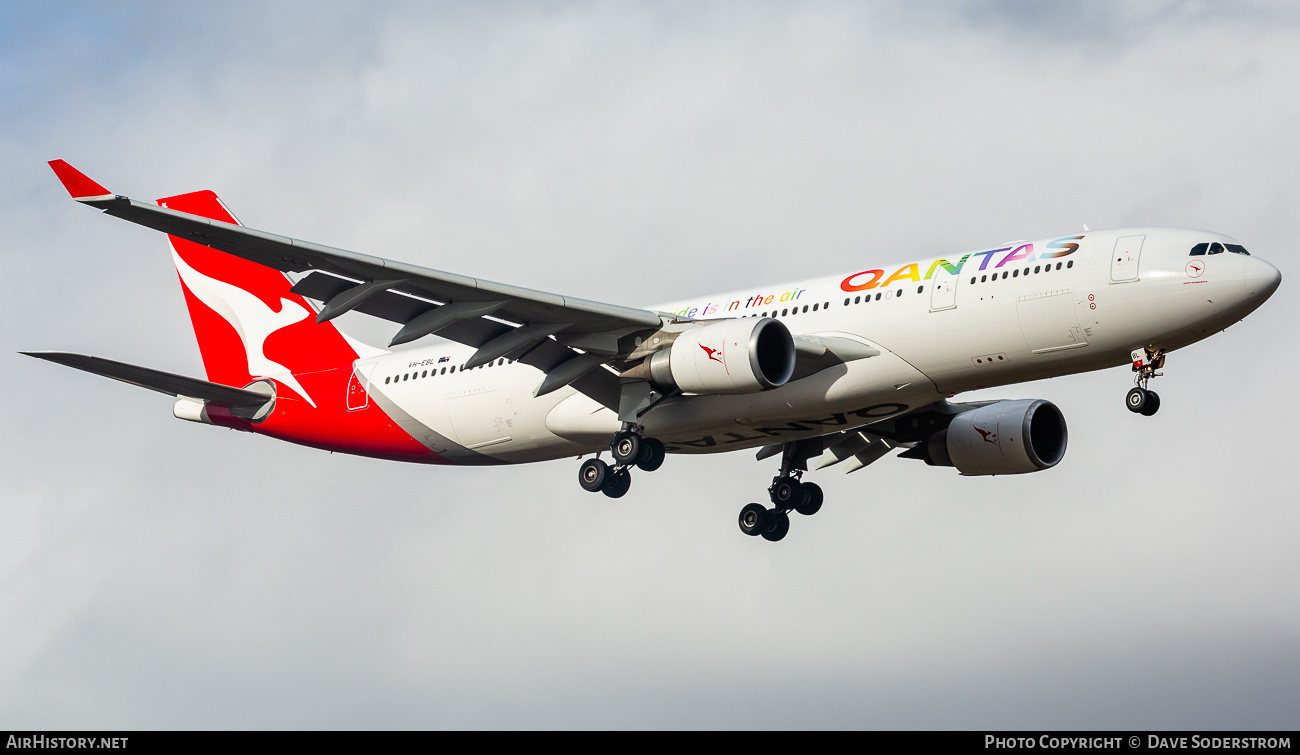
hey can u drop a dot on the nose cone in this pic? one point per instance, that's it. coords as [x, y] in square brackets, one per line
[1261, 279]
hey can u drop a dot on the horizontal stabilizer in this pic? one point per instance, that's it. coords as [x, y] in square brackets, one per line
[156, 380]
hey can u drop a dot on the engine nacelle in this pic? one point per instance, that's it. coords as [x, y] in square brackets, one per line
[746, 355]
[1009, 437]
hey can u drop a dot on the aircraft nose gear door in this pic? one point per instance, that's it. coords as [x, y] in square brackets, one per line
[1124, 262]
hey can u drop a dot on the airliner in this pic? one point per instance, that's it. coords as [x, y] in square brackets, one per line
[839, 369]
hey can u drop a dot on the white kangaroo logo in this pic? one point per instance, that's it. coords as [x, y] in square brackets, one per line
[251, 319]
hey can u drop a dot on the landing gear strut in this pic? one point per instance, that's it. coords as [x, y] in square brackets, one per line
[629, 448]
[787, 493]
[1140, 399]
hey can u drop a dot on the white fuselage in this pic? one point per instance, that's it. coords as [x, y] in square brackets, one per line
[1011, 313]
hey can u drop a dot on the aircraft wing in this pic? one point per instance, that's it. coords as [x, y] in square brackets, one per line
[423, 300]
[544, 330]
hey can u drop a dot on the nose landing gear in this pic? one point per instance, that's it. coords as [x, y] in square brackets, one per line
[629, 448]
[1141, 400]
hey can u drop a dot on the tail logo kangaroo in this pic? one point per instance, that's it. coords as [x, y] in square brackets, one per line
[251, 319]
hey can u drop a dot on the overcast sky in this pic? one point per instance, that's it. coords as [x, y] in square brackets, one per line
[160, 574]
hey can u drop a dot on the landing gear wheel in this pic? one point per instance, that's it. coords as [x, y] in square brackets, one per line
[812, 499]
[652, 455]
[779, 527]
[754, 519]
[1147, 361]
[787, 493]
[618, 483]
[593, 474]
[626, 447]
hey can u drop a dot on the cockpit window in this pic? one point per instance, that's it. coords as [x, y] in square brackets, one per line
[1217, 248]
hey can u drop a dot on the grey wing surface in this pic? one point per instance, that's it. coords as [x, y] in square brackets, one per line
[548, 331]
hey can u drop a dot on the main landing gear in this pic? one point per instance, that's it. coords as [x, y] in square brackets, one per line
[629, 449]
[787, 494]
[1141, 400]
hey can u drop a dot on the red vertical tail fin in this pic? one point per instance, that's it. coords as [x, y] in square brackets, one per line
[248, 322]
[251, 327]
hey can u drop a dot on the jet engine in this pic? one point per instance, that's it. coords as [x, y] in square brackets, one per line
[1007, 437]
[745, 355]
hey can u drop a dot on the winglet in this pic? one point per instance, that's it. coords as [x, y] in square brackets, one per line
[77, 183]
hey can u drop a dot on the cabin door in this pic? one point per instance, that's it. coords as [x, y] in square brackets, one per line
[1124, 262]
[943, 293]
[359, 387]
